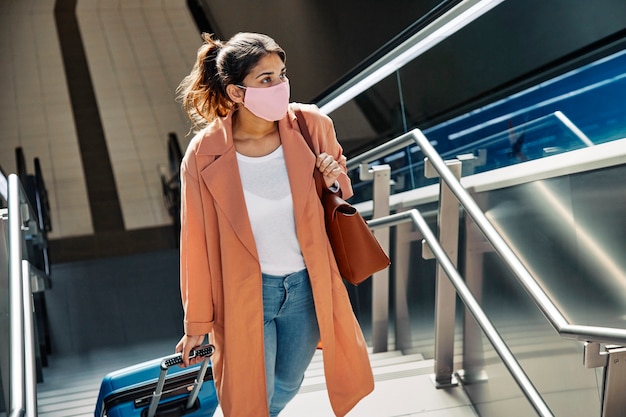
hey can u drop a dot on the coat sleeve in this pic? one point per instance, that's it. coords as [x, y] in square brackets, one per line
[323, 131]
[332, 147]
[195, 275]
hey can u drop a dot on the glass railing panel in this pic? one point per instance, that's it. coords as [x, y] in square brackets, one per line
[580, 108]
[553, 365]
[569, 233]
[591, 96]
[545, 136]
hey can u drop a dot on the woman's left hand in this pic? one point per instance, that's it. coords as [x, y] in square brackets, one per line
[329, 167]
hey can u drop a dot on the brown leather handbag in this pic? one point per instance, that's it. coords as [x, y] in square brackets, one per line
[357, 251]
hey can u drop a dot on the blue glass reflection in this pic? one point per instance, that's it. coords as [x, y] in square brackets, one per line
[582, 107]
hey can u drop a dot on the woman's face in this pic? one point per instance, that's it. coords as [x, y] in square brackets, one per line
[268, 72]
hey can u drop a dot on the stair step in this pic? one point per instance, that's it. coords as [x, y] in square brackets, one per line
[68, 404]
[314, 381]
[71, 384]
[377, 361]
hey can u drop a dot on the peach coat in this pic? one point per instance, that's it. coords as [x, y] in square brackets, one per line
[221, 276]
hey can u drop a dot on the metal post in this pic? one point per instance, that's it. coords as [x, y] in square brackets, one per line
[30, 371]
[405, 234]
[448, 224]
[4, 307]
[16, 326]
[473, 354]
[435, 250]
[380, 282]
[613, 401]
[613, 359]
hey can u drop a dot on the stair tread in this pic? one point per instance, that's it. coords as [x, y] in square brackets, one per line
[71, 384]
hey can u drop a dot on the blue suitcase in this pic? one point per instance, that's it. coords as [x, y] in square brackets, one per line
[149, 390]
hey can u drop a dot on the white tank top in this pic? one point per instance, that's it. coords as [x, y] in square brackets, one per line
[270, 209]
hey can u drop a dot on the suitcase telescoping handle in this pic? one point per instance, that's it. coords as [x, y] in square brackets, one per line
[176, 359]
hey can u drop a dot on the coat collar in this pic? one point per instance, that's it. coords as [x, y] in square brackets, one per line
[217, 136]
[221, 176]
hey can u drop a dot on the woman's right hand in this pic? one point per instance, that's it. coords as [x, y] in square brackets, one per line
[330, 168]
[184, 346]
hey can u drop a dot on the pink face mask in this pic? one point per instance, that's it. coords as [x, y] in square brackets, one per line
[269, 103]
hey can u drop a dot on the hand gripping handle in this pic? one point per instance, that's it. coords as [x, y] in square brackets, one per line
[176, 359]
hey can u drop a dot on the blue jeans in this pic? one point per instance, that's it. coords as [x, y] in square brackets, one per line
[291, 335]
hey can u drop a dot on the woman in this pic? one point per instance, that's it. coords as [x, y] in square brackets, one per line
[257, 271]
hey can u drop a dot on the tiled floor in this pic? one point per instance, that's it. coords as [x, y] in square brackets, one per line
[137, 52]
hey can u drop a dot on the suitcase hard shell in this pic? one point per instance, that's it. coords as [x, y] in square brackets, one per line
[130, 391]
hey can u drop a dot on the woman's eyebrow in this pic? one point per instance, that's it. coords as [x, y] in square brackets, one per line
[264, 73]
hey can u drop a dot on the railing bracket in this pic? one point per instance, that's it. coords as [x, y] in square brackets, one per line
[593, 358]
[431, 172]
[365, 173]
[426, 252]
[613, 359]
[447, 383]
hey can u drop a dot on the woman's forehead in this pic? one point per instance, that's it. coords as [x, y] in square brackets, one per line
[269, 64]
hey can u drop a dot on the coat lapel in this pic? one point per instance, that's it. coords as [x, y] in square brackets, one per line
[221, 174]
[300, 163]
[221, 177]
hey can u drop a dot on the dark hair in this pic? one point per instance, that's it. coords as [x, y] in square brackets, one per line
[203, 91]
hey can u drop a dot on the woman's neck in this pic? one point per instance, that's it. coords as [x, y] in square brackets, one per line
[247, 126]
[254, 136]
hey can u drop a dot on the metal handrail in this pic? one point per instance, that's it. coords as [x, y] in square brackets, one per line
[541, 299]
[384, 149]
[23, 394]
[471, 303]
[428, 37]
[583, 333]
[534, 290]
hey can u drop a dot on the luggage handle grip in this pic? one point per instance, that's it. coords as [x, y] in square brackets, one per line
[177, 358]
[205, 351]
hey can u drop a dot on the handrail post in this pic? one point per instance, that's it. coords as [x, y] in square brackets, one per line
[473, 355]
[445, 302]
[404, 236]
[380, 283]
[612, 359]
[435, 250]
[5, 361]
[30, 371]
[16, 325]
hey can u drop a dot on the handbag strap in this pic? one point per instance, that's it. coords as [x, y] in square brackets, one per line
[307, 137]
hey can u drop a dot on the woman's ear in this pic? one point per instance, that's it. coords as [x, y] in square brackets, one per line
[236, 94]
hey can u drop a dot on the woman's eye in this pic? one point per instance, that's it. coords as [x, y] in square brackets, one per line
[268, 80]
